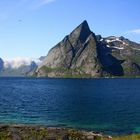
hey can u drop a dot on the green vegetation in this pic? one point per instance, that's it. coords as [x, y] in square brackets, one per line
[43, 133]
[61, 72]
[129, 137]
[35, 134]
[20, 133]
[46, 69]
[74, 135]
[4, 135]
[65, 72]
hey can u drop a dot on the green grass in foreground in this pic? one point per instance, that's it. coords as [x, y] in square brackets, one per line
[129, 137]
[42, 133]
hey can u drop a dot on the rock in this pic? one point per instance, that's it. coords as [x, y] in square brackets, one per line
[16, 136]
[34, 132]
[84, 54]
[76, 54]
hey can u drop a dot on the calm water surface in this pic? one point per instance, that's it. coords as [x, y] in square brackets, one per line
[111, 106]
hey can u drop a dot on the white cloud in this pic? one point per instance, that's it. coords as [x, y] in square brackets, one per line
[18, 62]
[135, 31]
[40, 3]
[47, 1]
[19, 7]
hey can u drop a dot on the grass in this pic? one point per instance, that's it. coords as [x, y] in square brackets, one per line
[65, 72]
[4, 135]
[128, 137]
[23, 134]
[42, 134]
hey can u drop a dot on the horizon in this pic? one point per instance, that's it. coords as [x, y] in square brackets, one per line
[29, 29]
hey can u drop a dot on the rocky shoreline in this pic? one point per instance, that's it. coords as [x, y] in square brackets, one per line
[34, 132]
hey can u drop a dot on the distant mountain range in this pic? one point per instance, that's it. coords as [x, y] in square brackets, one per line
[19, 66]
[84, 54]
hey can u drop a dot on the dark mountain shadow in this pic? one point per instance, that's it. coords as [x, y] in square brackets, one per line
[135, 69]
[110, 63]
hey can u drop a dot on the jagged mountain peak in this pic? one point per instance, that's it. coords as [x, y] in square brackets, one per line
[71, 54]
[84, 54]
[81, 32]
[84, 25]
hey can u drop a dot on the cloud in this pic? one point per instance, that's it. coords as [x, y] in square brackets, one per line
[20, 7]
[18, 62]
[135, 31]
[47, 1]
[41, 3]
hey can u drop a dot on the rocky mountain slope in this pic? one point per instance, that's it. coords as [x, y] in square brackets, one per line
[84, 54]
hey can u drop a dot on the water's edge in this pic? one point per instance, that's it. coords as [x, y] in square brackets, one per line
[23, 132]
[110, 106]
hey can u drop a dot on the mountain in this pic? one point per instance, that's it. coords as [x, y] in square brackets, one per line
[42, 58]
[17, 67]
[1, 64]
[84, 54]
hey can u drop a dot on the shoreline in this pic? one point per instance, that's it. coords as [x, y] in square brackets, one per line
[41, 132]
[43, 77]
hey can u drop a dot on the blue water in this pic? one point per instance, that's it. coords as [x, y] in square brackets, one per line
[110, 106]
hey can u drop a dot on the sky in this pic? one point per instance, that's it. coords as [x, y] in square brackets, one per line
[29, 28]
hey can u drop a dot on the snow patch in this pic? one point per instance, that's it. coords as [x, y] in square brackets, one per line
[101, 39]
[114, 47]
[116, 39]
[119, 48]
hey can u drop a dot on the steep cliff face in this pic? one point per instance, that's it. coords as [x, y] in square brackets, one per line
[83, 54]
[75, 55]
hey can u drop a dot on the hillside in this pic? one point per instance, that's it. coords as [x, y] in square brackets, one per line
[84, 54]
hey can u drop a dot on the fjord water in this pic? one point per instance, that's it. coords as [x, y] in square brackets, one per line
[110, 106]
